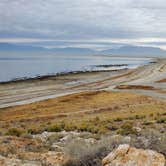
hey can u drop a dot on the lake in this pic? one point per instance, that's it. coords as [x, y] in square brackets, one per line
[17, 65]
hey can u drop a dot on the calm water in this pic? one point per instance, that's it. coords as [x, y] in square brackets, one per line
[20, 65]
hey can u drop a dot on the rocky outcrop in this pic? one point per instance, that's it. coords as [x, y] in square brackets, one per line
[125, 155]
[46, 159]
[4, 161]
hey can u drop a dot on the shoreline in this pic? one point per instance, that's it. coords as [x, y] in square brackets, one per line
[38, 89]
[47, 76]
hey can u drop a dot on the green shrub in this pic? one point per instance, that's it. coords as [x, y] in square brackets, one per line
[88, 127]
[151, 115]
[36, 130]
[15, 132]
[140, 116]
[83, 127]
[147, 123]
[118, 119]
[161, 120]
[126, 129]
[55, 128]
[69, 127]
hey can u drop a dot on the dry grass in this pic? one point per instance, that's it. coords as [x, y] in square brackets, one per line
[95, 111]
[101, 114]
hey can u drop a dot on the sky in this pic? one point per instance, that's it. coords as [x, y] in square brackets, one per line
[96, 24]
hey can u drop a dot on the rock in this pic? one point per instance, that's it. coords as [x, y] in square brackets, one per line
[47, 159]
[91, 141]
[67, 138]
[137, 129]
[43, 136]
[54, 159]
[125, 155]
[35, 159]
[56, 148]
[16, 162]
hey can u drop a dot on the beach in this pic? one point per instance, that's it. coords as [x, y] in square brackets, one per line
[37, 89]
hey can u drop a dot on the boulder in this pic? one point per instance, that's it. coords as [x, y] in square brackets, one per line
[125, 155]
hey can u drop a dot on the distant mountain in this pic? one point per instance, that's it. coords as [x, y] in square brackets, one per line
[135, 50]
[17, 47]
[122, 51]
[67, 50]
[73, 50]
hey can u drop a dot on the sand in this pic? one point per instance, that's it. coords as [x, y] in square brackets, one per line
[29, 91]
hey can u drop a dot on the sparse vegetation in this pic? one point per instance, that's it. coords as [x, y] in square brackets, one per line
[126, 129]
[104, 115]
[115, 109]
[82, 154]
[54, 128]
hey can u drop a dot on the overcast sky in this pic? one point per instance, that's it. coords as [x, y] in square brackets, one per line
[84, 23]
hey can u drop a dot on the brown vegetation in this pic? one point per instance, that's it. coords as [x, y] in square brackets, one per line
[162, 81]
[95, 115]
[96, 112]
[139, 87]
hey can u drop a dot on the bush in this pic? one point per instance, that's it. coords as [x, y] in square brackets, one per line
[69, 127]
[55, 137]
[35, 130]
[147, 123]
[55, 128]
[82, 154]
[140, 116]
[15, 132]
[161, 120]
[82, 127]
[126, 129]
[118, 119]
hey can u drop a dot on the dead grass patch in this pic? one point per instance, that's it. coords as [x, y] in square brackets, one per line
[79, 112]
[139, 87]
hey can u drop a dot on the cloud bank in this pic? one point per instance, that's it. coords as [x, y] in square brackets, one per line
[103, 22]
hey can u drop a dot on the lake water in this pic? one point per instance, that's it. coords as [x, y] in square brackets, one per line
[20, 65]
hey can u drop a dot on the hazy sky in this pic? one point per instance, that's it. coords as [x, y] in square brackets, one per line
[84, 23]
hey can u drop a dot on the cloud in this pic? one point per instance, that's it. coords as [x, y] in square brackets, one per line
[82, 19]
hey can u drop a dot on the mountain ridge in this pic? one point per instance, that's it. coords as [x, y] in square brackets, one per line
[124, 50]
